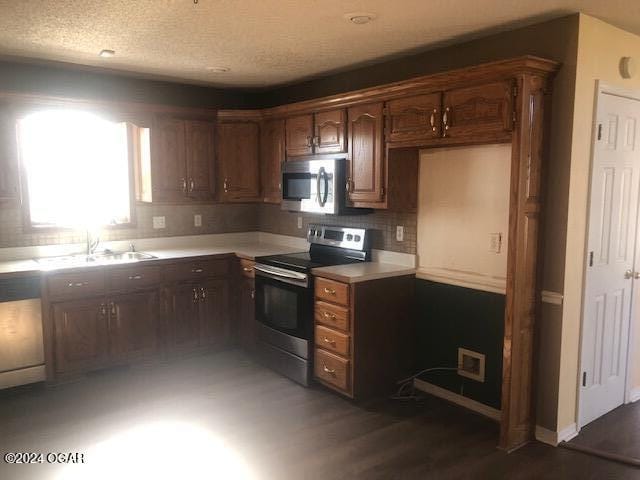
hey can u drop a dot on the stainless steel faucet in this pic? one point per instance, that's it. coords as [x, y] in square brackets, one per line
[92, 243]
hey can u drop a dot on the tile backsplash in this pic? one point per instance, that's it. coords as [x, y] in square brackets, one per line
[274, 220]
[178, 219]
[218, 218]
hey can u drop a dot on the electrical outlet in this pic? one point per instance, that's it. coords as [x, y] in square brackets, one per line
[159, 222]
[299, 222]
[471, 364]
[495, 242]
[400, 233]
[197, 220]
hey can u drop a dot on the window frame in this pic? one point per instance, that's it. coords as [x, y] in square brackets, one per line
[28, 226]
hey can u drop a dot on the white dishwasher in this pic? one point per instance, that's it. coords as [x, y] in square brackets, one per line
[21, 345]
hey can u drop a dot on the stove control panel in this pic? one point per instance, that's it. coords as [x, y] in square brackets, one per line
[343, 237]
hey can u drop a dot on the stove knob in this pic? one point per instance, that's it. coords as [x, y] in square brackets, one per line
[357, 238]
[349, 237]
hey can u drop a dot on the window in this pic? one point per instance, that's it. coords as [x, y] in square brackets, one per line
[76, 167]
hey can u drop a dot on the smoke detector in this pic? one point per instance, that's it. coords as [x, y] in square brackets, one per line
[107, 53]
[360, 18]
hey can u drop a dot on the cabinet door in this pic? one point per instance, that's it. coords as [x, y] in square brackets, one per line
[330, 132]
[81, 335]
[414, 120]
[168, 163]
[271, 157]
[200, 159]
[8, 156]
[247, 328]
[214, 308]
[238, 156]
[479, 113]
[299, 135]
[184, 320]
[366, 172]
[133, 325]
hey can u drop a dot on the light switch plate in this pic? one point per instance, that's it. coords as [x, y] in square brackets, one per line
[495, 242]
[159, 222]
[400, 233]
[299, 222]
[197, 220]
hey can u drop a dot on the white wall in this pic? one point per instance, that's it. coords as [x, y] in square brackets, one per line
[463, 198]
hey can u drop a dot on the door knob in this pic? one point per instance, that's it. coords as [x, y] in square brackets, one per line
[628, 274]
[636, 275]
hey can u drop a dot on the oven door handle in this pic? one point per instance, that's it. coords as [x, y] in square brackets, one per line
[280, 272]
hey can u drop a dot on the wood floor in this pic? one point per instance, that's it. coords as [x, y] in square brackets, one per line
[197, 416]
[617, 432]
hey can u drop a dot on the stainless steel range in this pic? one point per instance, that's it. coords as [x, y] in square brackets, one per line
[284, 296]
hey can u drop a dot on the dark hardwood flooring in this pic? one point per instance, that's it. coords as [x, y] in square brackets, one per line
[617, 432]
[179, 421]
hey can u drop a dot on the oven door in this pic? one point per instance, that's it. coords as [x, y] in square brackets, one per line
[310, 185]
[284, 301]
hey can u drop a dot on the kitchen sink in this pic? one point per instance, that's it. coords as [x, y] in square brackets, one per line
[106, 258]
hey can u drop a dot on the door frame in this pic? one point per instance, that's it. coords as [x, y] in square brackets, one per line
[603, 88]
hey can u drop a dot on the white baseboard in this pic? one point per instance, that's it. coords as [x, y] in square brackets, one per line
[634, 395]
[452, 397]
[552, 438]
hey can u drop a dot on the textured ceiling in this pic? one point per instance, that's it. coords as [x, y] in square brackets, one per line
[263, 42]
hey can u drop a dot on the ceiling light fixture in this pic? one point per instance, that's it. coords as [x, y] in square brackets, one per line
[359, 18]
[218, 69]
[107, 53]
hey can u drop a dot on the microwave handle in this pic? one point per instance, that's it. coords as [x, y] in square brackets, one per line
[322, 199]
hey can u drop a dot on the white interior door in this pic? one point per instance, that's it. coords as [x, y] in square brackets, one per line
[611, 247]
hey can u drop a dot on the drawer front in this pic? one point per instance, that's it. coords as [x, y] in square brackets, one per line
[246, 268]
[196, 269]
[332, 369]
[332, 316]
[133, 277]
[76, 284]
[330, 291]
[333, 340]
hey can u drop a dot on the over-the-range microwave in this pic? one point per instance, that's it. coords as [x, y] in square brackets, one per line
[316, 185]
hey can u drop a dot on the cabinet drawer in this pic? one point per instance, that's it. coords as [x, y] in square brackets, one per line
[132, 277]
[332, 369]
[195, 269]
[333, 340]
[332, 316]
[331, 291]
[246, 268]
[76, 284]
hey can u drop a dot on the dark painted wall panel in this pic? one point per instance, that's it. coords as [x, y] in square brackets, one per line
[449, 317]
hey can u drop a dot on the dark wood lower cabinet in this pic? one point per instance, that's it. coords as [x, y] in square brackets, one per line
[247, 332]
[182, 316]
[134, 330]
[213, 312]
[81, 335]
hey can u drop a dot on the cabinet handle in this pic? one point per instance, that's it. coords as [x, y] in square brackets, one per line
[184, 185]
[135, 277]
[195, 295]
[432, 120]
[247, 269]
[330, 291]
[192, 184]
[113, 309]
[103, 309]
[316, 141]
[329, 341]
[279, 187]
[445, 121]
[328, 315]
[347, 185]
[253, 294]
[328, 370]
[77, 284]
[309, 141]
[196, 270]
[203, 293]
[225, 185]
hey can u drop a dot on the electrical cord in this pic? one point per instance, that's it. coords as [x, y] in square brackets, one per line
[404, 393]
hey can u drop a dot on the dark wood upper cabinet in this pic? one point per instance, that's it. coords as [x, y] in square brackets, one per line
[182, 162]
[330, 129]
[239, 161]
[81, 339]
[200, 159]
[299, 135]
[414, 119]
[272, 154]
[8, 156]
[366, 171]
[168, 160]
[479, 113]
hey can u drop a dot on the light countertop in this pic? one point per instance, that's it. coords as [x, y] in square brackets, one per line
[362, 272]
